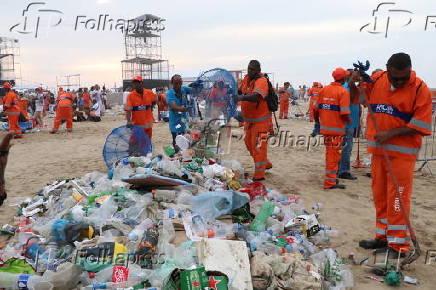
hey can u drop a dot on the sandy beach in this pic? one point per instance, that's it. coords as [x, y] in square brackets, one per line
[40, 158]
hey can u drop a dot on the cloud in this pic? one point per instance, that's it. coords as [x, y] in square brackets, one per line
[277, 30]
[103, 1]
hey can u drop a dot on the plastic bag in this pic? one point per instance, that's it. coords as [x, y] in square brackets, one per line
[211, 205]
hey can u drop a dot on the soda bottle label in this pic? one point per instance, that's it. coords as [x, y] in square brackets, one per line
[120, 274]
[22, 281]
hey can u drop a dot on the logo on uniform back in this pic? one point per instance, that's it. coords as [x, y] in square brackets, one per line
[386, 109]
[326, 106]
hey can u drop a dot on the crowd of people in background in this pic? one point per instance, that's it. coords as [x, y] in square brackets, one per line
[31, 107]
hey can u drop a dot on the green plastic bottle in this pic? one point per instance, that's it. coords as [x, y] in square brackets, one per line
[259, 223]
[169, 151]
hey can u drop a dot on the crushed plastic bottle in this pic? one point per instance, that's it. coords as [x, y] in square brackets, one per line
[137, 233]
[259, 223]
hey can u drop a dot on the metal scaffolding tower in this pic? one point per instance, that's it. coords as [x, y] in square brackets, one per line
[68, 82]
[9, 51]
[143, 48]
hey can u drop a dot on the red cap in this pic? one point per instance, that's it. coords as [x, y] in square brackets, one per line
[315, 84]
[6, 85]
[137, 79]
[340, 74]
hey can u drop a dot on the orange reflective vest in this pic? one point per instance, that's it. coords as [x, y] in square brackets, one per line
[255, 112]
[65, 99]
[141, 108]
[218, 97]
[23, 107]
[284, 94]
[393, 108]
[314, 96]
[333, 102]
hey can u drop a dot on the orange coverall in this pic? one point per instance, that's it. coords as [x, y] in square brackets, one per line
[284, 95]
[218, 101]
[257, 124]
[23, 108]
[162, 105]
[313, 101]
[64, 110]
[141, 108]
[333, 103]
[12, 109]
[410, 107]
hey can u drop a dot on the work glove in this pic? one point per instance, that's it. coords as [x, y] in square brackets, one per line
[363, 68]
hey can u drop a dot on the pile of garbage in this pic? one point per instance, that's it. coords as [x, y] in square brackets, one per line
[161, 222]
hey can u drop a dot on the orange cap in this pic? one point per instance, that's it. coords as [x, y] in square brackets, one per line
[137, 79]
[6, 85]
[340, 74]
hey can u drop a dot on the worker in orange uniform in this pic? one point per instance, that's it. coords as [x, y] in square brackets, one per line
[162, 105]
[219, 98]
[64, 111]
[285, 95]
[333, 113]
[23, 104]
[257, 117]
[12, 109]
[313, 103]
[87, 103]
[139, 107]
[400, 114]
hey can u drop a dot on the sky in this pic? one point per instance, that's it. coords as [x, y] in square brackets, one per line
[298, 41]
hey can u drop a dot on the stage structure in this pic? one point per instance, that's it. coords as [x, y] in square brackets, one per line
[9, 51]
[68, 82]
[143, 53]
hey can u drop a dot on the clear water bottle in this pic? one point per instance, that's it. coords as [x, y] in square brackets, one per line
[12, 281]
[198, 226]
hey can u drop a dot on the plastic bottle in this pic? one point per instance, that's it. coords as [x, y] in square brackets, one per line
[18, 281]
[110, 285]
[148, 246]
[165, 195]
[259, 223]
[311, 249]
[199, 226]
[50, 256]
[269, 248]
[226, 231]
[140, 229]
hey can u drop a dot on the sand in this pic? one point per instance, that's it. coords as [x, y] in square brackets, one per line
[40, 157]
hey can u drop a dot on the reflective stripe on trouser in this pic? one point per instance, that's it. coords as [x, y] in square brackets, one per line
[63, 114]
[256, 141]
[333, 146]
[389, 216]
[284, 108]
[14, 126]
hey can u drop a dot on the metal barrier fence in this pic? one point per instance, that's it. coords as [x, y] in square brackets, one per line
[115, 98]
[428, 149]
[426, 156]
